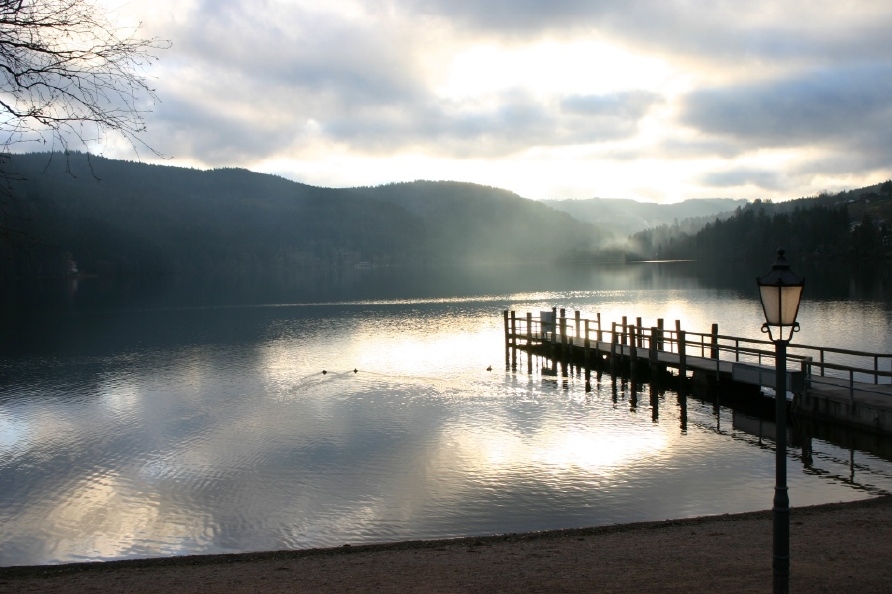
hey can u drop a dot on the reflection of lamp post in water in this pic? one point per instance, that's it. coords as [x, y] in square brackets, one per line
[780, 291]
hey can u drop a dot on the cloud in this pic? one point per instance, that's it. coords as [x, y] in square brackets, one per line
[770, 180]
[501, 125]
[514, 15]
[711, 29]
[628, 106]
[723, 97]
[843, 108]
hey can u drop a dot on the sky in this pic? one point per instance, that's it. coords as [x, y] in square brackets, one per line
[653, 100]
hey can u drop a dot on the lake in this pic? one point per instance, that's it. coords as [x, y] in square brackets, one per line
[185, 416]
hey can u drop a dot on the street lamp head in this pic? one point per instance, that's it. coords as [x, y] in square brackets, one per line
[780, 291]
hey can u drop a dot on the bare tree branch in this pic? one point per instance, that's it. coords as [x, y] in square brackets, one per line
[68, 77]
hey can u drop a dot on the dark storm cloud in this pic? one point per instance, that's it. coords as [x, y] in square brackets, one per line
[848, 109]
[514, 15]
[709, 30]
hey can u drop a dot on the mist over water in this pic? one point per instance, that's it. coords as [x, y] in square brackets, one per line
[193, 416]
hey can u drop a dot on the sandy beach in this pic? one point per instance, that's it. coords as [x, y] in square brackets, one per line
[844, 547]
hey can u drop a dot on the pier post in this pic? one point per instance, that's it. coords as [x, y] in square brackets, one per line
[564, 336]
[714, 352]
[806, 372]
[613, 340]
[587, 358]
[660, 338]
[601, 334]
[513, 340]
[598, 338]
[682, 356]
[507, 338]
[640, 335]
[529, 342]
[625, 328]
[576, 335]
[652, 352]
[633, 350]
[683, 408]
[654, 403]
[554, 333]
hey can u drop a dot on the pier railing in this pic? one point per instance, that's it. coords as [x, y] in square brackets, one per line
[818, 364]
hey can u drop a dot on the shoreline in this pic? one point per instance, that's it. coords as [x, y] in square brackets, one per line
[834, 547]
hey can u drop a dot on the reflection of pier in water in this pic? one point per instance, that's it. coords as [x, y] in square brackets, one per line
[821, 451]
[840, 385]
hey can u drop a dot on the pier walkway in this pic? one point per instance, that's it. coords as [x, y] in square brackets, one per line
[851, 387]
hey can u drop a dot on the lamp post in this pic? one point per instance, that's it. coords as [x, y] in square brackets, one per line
[780, 291]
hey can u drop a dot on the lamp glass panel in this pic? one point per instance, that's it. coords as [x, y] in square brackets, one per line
[790, 297]
[770, 303]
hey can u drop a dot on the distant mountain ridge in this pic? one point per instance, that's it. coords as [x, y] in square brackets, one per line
[626, 216]
[112, 217]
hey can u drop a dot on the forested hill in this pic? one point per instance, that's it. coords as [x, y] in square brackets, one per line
[476, 222]
[849, 225]
[119, 217]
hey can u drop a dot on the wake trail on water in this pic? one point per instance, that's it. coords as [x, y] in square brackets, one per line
[366, 379]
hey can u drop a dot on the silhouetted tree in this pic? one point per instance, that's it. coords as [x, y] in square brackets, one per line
[866, 238]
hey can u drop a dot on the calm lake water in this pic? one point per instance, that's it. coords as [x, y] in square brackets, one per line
[186, 417]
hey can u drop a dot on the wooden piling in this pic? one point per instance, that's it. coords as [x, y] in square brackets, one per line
[633, 350]
[613, 340]
[640, 334]
[682, 356]
[576, 334]
[654, 403]
[598, 338]
[683, 408]
[660, 336]
[507, 339]
[564, 336]
[677, 332]
[529, 342]
[714, 351]
[554, 332]
[587, 357]
[513, 340]
[625, 328]
[652, 351]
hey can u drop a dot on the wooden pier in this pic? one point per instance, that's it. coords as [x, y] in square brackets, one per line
[839, 385]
